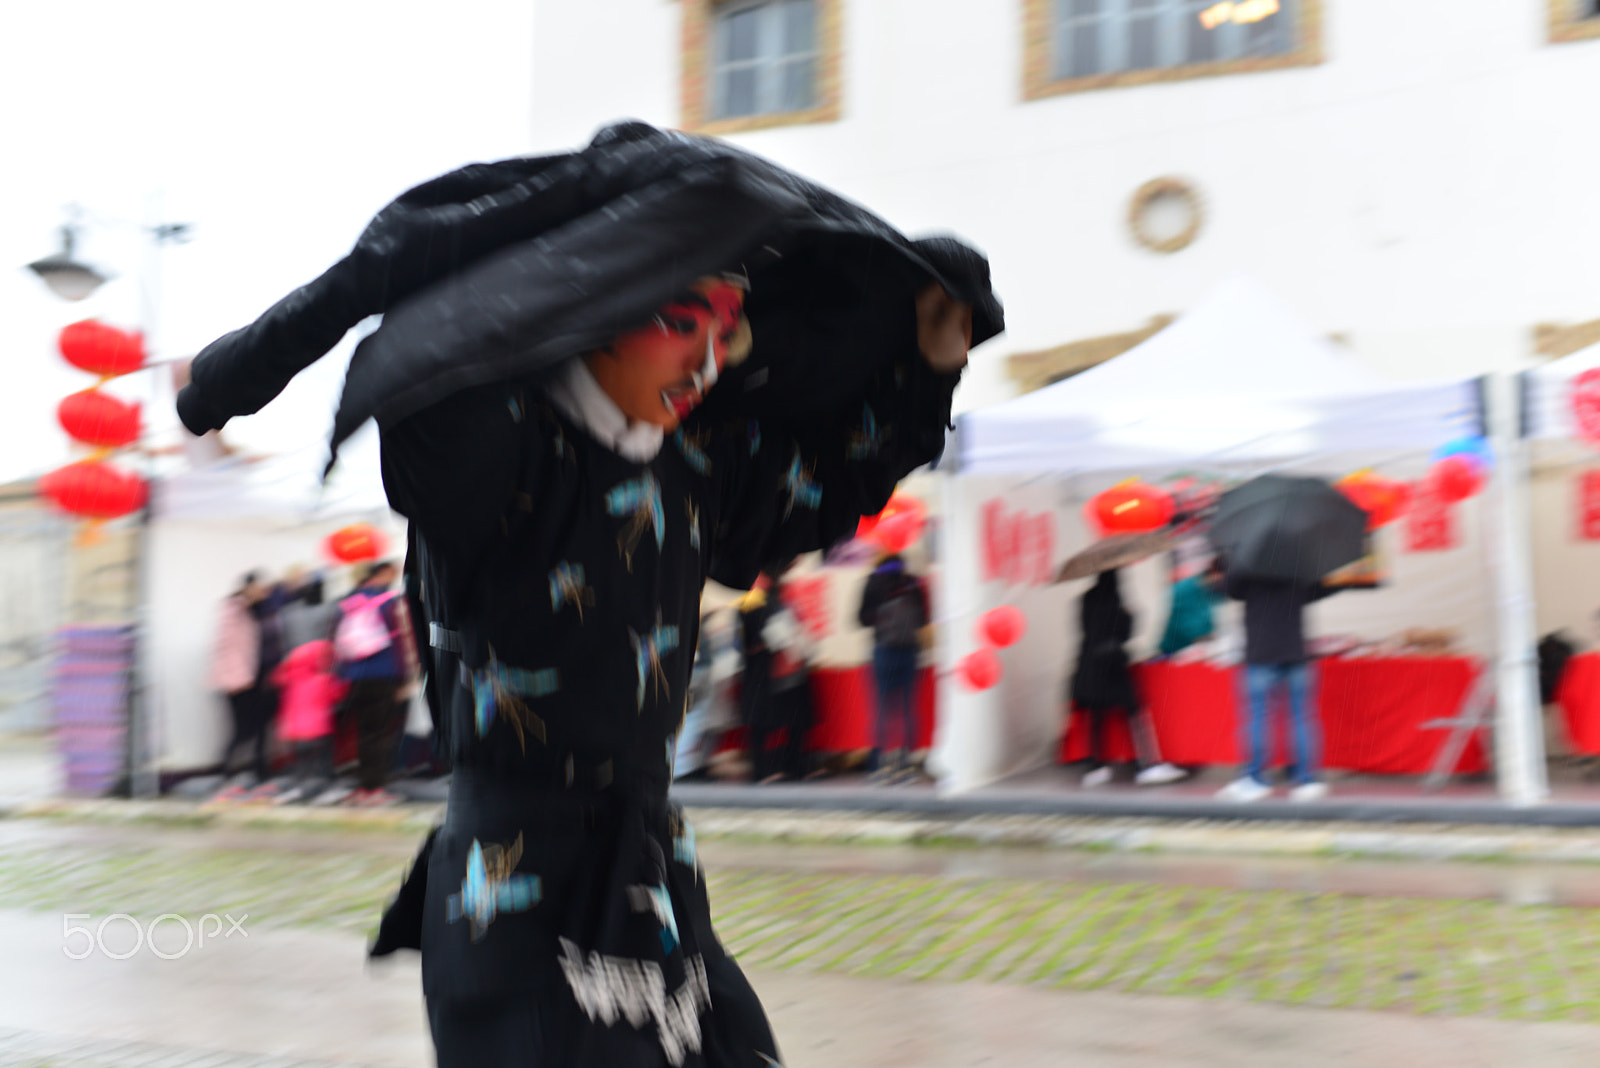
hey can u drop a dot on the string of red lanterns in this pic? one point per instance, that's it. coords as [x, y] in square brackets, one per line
[93, 489]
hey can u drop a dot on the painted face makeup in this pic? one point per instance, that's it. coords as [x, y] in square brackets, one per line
[660, 373]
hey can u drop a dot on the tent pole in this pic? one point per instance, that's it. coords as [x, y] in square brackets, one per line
[1519, 733]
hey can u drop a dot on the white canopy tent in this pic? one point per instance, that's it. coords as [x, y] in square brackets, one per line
[1238, 384]
[1566, 559]
[209, 526]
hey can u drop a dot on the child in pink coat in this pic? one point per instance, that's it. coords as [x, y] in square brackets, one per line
[311, 692]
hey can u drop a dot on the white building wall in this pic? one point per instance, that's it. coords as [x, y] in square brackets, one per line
[1425, 191]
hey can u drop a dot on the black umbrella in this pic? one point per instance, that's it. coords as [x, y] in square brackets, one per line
[1288, 529]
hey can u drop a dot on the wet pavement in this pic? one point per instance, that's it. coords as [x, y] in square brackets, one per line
[865, 956]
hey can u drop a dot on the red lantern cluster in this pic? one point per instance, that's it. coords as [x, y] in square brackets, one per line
[1134, 507]
[1453, 479]
[898, 526]
[93, 489]
[99, 419]
[356, 543]
[102, 350]
[998, 628]
[1383, 499]
[980, 669]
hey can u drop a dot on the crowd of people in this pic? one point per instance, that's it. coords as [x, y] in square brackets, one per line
[296, 669]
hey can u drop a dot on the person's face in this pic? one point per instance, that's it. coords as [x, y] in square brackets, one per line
[658, 374]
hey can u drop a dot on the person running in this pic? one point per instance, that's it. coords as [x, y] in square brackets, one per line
[602, 379]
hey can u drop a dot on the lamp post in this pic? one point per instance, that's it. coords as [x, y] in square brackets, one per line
[66, 277]
[73, 280]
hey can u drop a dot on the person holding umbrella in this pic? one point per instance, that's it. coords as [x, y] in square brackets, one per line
[1276, 662]
[1282, 537]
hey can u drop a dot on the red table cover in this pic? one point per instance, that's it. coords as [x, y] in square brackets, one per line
[1579, 698]
[1372, 712]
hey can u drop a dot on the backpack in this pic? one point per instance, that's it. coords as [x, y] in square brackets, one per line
[898, 621]
[362, 630]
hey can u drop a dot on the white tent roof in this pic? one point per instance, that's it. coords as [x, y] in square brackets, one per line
[1238, 379]
[1549, 398]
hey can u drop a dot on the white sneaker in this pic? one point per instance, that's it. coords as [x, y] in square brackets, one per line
[1160, 775]
[1097, 777]
[1245, 791]
[333, 795]
[1309, 791]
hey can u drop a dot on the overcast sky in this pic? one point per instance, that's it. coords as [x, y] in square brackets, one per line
[276, 130]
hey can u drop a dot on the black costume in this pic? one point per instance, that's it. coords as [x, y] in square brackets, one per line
[560, 910]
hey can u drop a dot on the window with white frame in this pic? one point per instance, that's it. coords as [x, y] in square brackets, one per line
[764, 57]
[1105, 37]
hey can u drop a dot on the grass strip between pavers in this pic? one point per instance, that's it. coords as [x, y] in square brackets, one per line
[1415, 955]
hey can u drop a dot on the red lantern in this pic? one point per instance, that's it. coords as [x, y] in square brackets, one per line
[94, 490]
[898, 533]
[980, 670]
[1003, 627]
[102, 350]
[353, 544]
[99, 419]
[1134, 507]
[1383, 499]
[1455, 478]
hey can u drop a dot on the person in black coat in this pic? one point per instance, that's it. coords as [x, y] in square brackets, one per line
[1102, 684]
[543, 384]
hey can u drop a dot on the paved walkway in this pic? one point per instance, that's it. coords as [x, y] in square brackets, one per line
[303, 999]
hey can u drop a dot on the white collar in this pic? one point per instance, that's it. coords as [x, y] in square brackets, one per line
[580, 398]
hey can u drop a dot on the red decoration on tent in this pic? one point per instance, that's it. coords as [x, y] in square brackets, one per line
[810, 599]
[1383, 499]
[102, 350]
[95, 490]
[1134, 507]
[99, 419]
[1003, 627]
[1455, 478]
[1589, 506]
[979, 670]
[356, 543]
[1586, 405]
[1431, 522]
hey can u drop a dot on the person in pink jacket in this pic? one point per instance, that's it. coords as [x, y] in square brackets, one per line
[311, 692]
[236, 673]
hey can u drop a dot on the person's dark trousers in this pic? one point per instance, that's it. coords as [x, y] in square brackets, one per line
[313, 759]
[787, 709]
[371, 706]
[896, 673]
[755, 705]
[252, 712]
[1099, 721]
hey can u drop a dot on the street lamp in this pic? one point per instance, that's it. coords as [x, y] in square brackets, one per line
[66, 277]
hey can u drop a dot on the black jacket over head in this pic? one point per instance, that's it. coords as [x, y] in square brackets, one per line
[498, 271]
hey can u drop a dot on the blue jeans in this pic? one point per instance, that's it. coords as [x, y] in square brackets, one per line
[1261, 681]
[896, 674]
